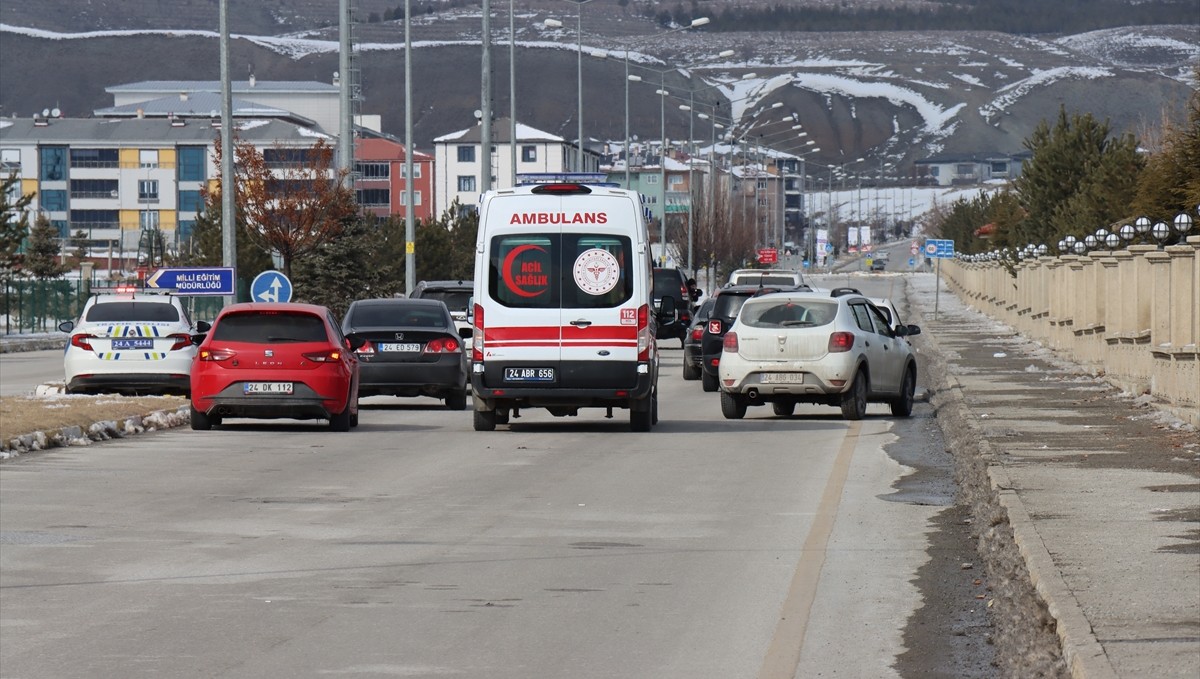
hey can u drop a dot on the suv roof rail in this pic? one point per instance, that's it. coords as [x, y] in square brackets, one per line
[839, 292]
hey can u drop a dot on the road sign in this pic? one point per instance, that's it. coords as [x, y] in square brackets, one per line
[939, 248]
[913, 249]
[768, 256]
[194, 280]
[271, 286]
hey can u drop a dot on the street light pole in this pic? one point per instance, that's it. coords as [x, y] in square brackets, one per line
[628, 79]
[512, 93]
[579, 80]
[662, 169]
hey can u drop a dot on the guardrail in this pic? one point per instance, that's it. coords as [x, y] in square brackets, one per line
[1132, 315]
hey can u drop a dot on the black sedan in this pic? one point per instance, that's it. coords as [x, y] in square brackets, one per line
[411, 348]
[691, 343]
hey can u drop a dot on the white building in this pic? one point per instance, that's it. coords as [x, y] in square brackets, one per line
[313, 100]
[459, 171]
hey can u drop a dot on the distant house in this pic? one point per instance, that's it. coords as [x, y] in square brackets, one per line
[457, 157]
[967, 169]
[379, 179]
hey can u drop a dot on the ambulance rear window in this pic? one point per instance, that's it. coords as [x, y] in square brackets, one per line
[550, 271]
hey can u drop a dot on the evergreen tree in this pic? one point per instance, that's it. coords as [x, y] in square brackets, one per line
[347, 268]
[1078, 178]
[1171, 181]
[14, 222]
[42, 253]
[205, 247]
[79, 247]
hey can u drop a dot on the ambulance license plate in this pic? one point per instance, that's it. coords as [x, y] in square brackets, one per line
[267, 388]
[138, 343]
[529, 374]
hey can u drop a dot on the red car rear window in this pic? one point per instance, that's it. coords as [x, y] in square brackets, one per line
[259, 328]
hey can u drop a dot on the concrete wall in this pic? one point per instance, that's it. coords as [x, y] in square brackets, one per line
[1131, 315]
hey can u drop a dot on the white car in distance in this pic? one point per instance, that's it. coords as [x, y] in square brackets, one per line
[130, 341]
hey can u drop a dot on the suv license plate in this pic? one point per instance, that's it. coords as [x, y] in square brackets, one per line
[267, 388]
[529, 374]
[139, 343]
[392, 346]
[782, 378]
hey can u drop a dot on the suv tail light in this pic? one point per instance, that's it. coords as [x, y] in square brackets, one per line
[327, 356]
[477, 336]
[82, 341]
[643, 332]
[841, 341]
[447, 345]
[182, 341]
[215, 355]
[730, 343]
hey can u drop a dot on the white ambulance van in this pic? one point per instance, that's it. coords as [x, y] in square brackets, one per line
[563, 315]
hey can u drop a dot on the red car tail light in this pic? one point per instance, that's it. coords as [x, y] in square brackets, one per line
[215, 354]
[714, 327]
[643, 332]
[841, 341]
[477, 336]
[730, 343]
[447, 345]
[327, 356]
[182, 341]
[82, 341]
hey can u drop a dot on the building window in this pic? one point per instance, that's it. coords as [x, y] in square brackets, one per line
[674, 181]
[53, 164]
[404, 198]
[285, 158]
[964, 170]
[374, 197]
[466, 154]
[373, 170]
[147, 190]
[190, 202]
[63, 227]
[10, 160]
[148, 219]
[650, 178]
[999, 168]
[54, 200]
[416, 171]
[148, 158]
[94, 188]
[528, 154]
[95, 219]
[466, 183]
[184, 231]
[192, 163]
[95, 158]
[933, 171]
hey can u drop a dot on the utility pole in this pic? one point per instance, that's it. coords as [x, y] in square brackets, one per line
[485, 105]
[228, 181]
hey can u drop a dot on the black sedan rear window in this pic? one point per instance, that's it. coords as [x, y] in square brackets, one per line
[132, 312]
[395, 316]
[270, 328]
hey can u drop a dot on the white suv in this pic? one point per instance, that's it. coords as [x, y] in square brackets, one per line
[834, 349]
[130, 342]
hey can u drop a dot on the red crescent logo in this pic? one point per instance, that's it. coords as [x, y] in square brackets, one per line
[507, 270]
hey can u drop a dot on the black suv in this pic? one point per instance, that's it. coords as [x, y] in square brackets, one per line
[727, 302]
[456, 295]
[673, 283]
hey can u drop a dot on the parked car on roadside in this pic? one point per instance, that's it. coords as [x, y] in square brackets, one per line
[814, 347]
[727, 302]
[130, 341]
[779, 278]
[275, 360]
[411, 347]
[692, 358]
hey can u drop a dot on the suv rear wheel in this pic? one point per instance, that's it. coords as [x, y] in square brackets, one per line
[733, 406]
[854, 401]
[485, 420]
[708, 381]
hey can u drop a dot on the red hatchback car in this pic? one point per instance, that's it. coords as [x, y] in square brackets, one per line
[275, 360]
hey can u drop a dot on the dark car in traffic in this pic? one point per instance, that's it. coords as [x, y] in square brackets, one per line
[727, 302]
[673, 283]
[411, 347]
[691, 344]
[456, 294]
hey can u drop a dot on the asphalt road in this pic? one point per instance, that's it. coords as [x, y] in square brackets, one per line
[415, 546]
[22, 371]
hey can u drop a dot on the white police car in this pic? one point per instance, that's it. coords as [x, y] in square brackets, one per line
[130, 341]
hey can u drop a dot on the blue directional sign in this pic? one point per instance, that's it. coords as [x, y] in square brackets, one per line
[271, 286]
[939, 248]
[194, 280]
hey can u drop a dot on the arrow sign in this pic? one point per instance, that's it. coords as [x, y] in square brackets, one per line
[271, 286]
[194, 281]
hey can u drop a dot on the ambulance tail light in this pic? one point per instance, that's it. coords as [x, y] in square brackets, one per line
[564, 188]
[643, 332]
[477, 336]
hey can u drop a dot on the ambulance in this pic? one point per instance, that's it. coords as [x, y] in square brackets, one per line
[563, 315]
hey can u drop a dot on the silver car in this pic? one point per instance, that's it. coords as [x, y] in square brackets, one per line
[834, 349]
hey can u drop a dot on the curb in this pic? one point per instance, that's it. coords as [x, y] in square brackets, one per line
[98, 431]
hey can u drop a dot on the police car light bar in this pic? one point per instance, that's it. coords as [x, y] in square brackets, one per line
[128, 289]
